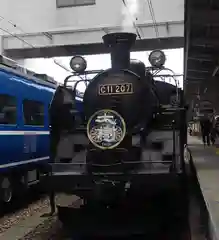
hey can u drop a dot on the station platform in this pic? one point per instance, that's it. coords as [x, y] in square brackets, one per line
[206, 164]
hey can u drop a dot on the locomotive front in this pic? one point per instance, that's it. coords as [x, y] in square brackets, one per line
[114, 104]
[127, 135]
[119, 88]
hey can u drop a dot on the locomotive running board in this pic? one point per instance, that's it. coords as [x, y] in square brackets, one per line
[69, 180]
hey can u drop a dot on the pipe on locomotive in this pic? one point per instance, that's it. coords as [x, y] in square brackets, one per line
[119, 45]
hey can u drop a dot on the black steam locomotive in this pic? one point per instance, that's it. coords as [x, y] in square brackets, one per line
[123, 144]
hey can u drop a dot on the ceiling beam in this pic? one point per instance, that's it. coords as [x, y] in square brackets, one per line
[203, 81]
[200, 70]
[203, 42]
[205, 17]
[199, 79]
[201, 58]
[95, 48]
[207, 51]
[202, 75]
[200, 65]
[203, 55]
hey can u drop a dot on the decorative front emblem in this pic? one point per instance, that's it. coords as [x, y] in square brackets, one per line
[106, 129]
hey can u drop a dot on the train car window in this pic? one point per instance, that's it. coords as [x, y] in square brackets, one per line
[33, 113]
[8, 109]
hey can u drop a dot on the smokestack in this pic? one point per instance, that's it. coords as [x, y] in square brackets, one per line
[119, 45]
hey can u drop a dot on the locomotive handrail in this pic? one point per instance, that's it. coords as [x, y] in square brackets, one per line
[83, 80]
[126, 162]
[173, 75]
[85, 73]
[56, 164]
[66, 79]
[130, 174]
[76, 81]
[78, 168]
[169, 75]
[167, 108]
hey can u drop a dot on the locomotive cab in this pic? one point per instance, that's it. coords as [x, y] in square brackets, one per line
[130, 130]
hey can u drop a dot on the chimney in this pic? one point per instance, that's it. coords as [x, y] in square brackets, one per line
[119, 45]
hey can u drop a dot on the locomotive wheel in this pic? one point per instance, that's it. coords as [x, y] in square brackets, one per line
[6, 190]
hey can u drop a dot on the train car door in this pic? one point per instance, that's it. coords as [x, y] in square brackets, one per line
[33, 117]
[34, 126]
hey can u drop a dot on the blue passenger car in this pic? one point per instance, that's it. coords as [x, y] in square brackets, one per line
[24, 127]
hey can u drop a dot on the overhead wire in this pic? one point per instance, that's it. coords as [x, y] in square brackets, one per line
[151, 9]
[155, 26]
[15, 36]
[19, 28]
[14, 25]
[26, 42]
[154, 22]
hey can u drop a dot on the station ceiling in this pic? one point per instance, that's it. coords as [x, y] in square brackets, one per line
[95, 48]
[201, 62]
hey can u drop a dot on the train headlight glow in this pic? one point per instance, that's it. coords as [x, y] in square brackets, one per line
[78, 64]
[157, 58]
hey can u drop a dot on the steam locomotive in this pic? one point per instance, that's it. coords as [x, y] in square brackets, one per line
[125, 143]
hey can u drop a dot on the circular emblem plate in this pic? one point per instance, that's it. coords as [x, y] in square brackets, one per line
[106, 129]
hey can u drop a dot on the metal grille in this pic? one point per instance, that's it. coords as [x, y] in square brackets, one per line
[74, 3]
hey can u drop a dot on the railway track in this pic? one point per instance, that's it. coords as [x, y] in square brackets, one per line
[165, 225]
[21, 208]
[156, 220]
[21, 201]
[52, 229]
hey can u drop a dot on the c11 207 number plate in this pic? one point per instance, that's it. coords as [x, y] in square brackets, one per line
[114, 89]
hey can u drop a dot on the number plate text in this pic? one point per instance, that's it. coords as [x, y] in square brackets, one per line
[113, 89]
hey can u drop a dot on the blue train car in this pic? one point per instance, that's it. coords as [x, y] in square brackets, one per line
[24, 127]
